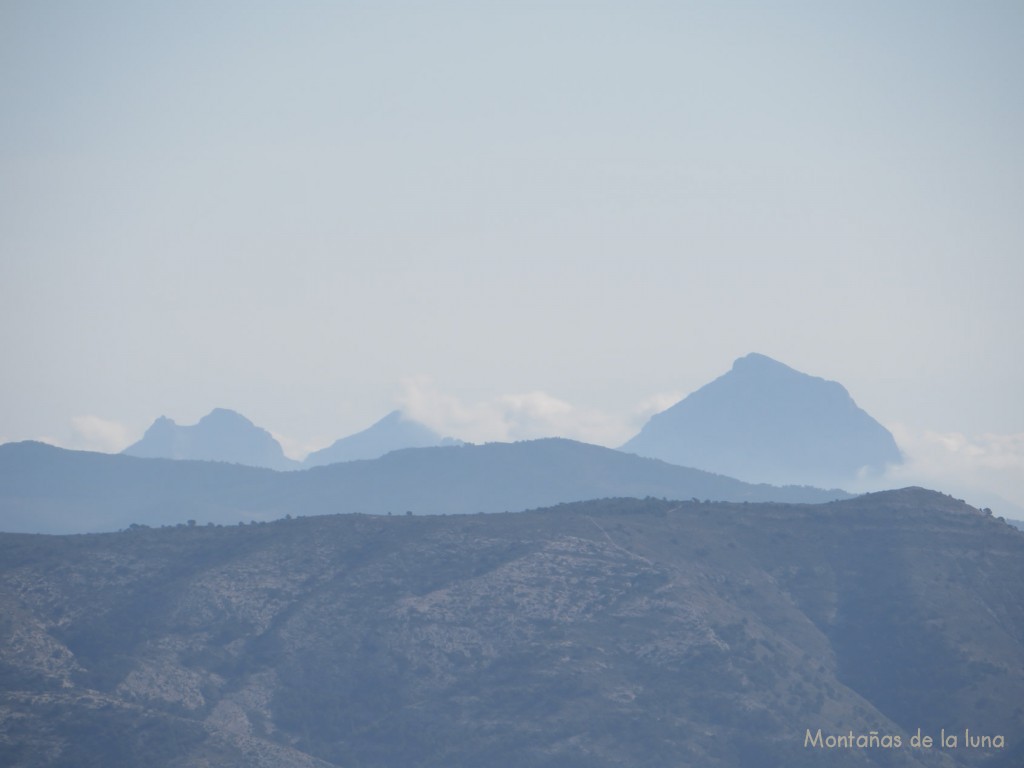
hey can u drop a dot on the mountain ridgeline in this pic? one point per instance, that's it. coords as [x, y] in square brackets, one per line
[761, 422]
[224, 435]
[51, 490]
[765, 422]
[600, 634]
[221, 435]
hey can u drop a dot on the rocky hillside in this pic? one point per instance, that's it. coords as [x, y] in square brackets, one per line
[606, 633]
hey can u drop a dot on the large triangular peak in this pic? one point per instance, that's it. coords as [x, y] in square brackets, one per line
[764, 421]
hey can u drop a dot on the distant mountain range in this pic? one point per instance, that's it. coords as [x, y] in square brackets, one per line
[765, 422]
[761, 422]
[625, 632]
[224, 435]
[44, 489]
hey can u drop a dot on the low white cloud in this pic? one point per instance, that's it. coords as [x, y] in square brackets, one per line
[521, 416]
[92, 433]
[971, 466]
[421, 400]
[655, 404]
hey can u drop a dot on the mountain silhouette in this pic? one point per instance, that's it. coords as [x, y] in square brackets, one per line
[44, 489]
[765, 422]
[221, 435]
[391, 433]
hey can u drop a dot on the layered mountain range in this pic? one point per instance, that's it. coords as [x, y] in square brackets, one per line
[614, 609]
[44, 489]
[761, 422]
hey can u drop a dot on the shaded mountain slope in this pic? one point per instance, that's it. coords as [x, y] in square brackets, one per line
[51, 490]
[598, 634]
[391, 433]
[497, 477]
[765, 422]
[221, 435]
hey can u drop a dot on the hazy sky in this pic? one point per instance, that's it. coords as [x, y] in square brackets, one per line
[512, 219]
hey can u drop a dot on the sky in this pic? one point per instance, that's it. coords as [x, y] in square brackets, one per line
[512, 220]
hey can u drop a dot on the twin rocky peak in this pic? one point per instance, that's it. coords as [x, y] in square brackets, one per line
[224, 435]
[761, 422]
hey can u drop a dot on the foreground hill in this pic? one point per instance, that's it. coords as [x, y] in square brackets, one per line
[221, 435]
[50, 490]
[609, 633]
[765, 422]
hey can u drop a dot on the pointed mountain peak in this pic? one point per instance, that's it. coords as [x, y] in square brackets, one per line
[226, 417]
[763, 421]
[162, 424]
[757, 378]
[755, 360]
[224, 413]
[221, 435]
[756, 364]
[391, 433]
